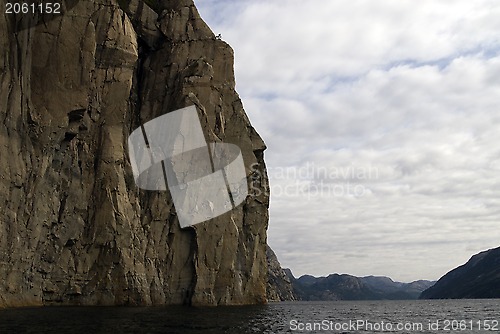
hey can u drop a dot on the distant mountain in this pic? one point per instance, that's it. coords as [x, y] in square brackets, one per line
[348, 287]
[388, 289]
[333, 287]
[478, 278]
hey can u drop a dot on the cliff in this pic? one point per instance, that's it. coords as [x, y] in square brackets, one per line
[478, 278]
[74, 227]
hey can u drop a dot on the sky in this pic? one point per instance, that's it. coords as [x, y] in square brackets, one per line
[382, 124]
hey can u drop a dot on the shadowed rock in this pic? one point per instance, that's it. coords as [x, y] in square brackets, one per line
[279, 286]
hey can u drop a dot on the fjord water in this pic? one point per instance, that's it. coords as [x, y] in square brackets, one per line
[463, 316]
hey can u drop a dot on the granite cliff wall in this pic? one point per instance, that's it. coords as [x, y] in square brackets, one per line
[74, 227]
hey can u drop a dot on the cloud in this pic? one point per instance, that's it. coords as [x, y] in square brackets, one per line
[289, 46]
[408, 90]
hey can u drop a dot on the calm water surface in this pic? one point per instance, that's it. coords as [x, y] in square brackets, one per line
[442, 316]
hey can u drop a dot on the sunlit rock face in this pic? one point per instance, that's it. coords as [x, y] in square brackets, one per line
[74, 227]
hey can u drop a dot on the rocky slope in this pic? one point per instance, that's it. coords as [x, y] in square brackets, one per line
[74, 227]
[478, 278]
[279, 285]
[347, 287]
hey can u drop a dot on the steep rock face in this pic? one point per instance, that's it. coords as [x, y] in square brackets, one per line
[478, 278]
[74, 228]
[279, 286]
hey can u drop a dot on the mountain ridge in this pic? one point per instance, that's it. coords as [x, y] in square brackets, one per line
[349, 287]
[479, 277]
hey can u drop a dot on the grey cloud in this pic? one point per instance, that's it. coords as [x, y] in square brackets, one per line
[374, 84]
